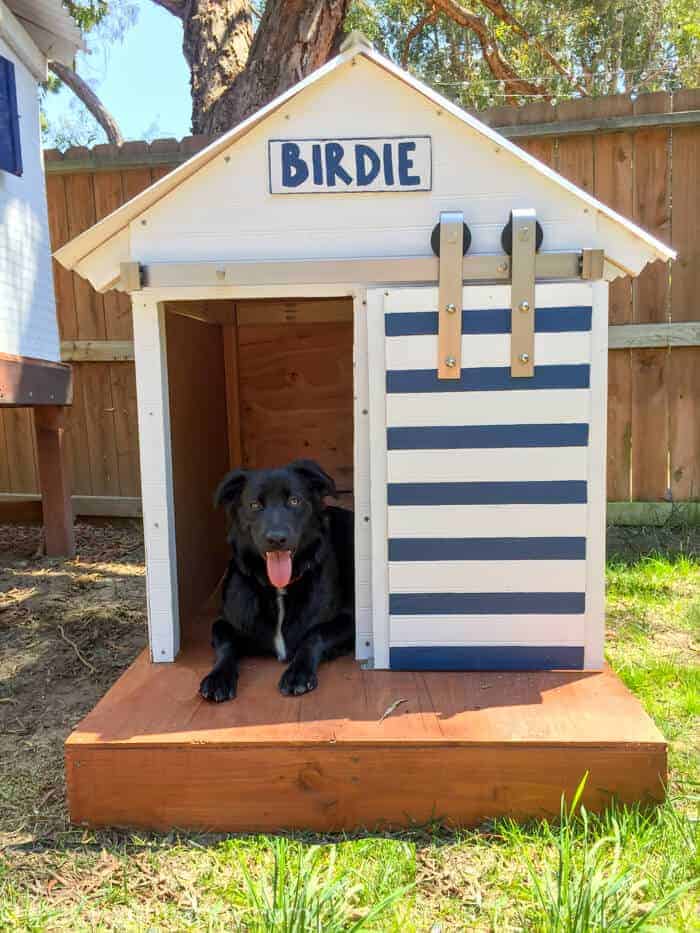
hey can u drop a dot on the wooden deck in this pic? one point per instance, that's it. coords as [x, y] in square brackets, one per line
[461, 748]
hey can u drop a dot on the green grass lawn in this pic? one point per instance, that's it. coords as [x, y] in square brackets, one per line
[627, 870]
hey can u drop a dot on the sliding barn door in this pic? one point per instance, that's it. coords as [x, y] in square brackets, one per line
[488, 505]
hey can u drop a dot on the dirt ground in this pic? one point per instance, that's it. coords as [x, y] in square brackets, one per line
[67, 630]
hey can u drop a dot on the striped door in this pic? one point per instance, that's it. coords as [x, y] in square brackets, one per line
[488, 490]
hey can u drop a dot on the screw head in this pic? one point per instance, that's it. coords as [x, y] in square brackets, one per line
[450, 308]
[524, 305]
[503, 267]
[524, 357]
[451, 362]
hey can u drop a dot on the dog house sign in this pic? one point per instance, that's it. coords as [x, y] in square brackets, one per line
[328, 166]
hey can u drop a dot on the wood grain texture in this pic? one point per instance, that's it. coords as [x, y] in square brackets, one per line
[684, 423]
[614, 186]
[685, 227]
[77, 445]
[229, 335]
[21, 449]
[619, 425]
[652, 206]
[57, 510]
[461, 749]
[200, 456]
[59, 232]
[109, 195]
[296, 395]
[649, 424]
[126, 435]
[89, 305]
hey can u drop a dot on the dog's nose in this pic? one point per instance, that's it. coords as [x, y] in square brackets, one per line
[276, 538]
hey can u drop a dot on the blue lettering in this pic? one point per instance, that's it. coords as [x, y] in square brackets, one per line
[365, 176]
[388, 165]
[334, 155]
[317, 163]
[405, 164]
[295, 171]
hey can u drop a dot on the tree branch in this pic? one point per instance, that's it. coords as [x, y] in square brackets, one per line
[505, 16]
[498, 66]
[414, 31]
[84, 92]
[176, 7]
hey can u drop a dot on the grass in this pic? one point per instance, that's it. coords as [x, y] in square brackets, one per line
[628, 869]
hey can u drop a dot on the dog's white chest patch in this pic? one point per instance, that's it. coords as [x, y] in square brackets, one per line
[280, 647]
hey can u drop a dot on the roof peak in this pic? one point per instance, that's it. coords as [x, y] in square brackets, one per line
[355, 40]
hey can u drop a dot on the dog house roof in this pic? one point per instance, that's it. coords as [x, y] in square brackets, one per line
[97, 252]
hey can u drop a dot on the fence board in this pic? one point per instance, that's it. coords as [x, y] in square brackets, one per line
[101, 429]
[614, 185]
[685, 222]
[62, 278]
[652, 206]
[4, 456]
[619, 425]
[89, 306]
[126, 432]
[684, 423]
[19, 429]
[649, 424]
[77, 438]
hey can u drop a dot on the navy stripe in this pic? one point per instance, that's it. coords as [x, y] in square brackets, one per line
[489, 379]
[487, 435]
[496, 321]
[431, 549]
[486, 604]
[522, 493]
[486, 658]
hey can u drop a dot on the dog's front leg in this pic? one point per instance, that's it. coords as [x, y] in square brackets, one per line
[321, 643]
[221, 682]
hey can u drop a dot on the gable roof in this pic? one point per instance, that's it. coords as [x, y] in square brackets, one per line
[73, 252]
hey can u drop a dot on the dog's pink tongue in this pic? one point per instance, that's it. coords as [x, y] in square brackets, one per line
[279, 568]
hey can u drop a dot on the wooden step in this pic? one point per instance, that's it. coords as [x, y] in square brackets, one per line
[459, 748]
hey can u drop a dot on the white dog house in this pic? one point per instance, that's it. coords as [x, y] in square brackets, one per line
[479, 380]
[289, 301]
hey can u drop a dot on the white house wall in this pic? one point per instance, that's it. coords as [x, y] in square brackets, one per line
[28, 324]
[225, 212]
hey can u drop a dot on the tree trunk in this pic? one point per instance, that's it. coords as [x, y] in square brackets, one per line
[216, 42]
[231, 78]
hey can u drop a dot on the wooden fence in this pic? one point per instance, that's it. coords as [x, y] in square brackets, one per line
[641, 157]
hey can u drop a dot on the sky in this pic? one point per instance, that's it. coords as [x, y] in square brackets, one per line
[143, 80]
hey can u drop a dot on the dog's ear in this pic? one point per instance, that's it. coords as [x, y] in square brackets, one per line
[317, 478]
[230, 488]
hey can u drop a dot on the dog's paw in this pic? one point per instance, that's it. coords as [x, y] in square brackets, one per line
[218, 686]
[298, 679]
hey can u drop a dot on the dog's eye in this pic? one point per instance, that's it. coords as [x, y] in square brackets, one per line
[294, 500]
[255, 506]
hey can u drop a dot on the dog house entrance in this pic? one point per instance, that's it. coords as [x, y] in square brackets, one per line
[255, 384]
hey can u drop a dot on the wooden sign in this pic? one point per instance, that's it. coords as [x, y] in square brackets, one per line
[329, 166]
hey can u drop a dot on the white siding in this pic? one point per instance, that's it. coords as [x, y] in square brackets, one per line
[27, 308]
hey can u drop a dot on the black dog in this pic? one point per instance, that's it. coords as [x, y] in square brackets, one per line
[289, 589]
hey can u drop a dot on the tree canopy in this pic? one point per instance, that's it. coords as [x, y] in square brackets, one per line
[476, 52]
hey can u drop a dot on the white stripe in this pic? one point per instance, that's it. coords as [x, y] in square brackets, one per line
[497, 576]
[487, 630]
[524, 406]
[486, 465]
[488, 297]
[487, 521]
[420, 351]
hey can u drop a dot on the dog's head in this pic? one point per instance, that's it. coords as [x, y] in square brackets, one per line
[276, 514]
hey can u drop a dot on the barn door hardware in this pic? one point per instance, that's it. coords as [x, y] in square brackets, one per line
[524, 244]
[452, 240]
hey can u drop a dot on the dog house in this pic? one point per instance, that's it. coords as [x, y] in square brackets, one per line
[364, 274]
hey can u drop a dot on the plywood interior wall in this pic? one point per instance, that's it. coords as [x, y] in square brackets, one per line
[200, 456]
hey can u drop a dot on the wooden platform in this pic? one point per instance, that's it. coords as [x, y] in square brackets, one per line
[460, 749]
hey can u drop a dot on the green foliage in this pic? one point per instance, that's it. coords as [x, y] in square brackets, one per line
[607, 46]
[592, 884]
